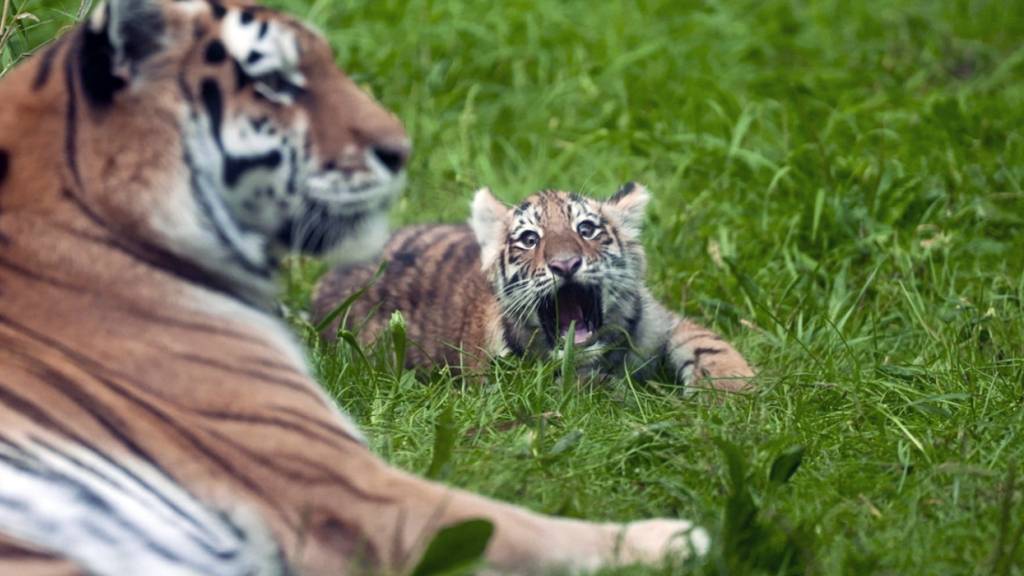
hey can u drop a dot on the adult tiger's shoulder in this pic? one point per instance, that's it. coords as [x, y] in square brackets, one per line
[516, 279]
[155, 164]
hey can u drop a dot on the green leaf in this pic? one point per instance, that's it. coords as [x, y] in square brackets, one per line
[569, 358]
[350, 339]
[740, 529]
[734, 462]
[456, 549]
[566, 443]
[444, 441]
[786, 464]
[819, 205]
[398, 341]
[747, 284]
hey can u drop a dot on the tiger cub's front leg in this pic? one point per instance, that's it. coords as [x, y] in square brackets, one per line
[695, 353]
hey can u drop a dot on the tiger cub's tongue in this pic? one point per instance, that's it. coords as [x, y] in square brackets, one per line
[572, 312]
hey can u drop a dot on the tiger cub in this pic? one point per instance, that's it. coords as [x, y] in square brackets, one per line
[516, 279]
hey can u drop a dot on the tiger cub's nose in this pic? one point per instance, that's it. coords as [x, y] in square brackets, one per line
[565, 267]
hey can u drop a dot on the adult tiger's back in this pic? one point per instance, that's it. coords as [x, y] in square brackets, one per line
[154, 166]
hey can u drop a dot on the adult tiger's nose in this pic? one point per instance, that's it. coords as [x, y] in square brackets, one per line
[393, 154]
[565, 267]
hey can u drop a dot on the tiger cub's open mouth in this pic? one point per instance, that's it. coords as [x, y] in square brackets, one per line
[572, 303]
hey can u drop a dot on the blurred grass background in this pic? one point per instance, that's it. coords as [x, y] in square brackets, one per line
[838, 190]
[26, 24]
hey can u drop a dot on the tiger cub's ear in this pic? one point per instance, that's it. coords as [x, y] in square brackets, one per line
[629, 206]
[489, 221]
[121, 34]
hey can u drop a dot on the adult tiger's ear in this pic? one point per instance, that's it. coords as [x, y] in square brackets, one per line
[120, 36]
[629, 206]
[489, 221]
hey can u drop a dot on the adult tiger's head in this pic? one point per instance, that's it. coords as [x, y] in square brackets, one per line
[214, 132]
[559, 258]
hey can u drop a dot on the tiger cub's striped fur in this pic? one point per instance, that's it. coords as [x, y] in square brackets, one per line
[514, 280]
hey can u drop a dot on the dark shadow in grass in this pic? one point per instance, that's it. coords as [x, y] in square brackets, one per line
[752, 539]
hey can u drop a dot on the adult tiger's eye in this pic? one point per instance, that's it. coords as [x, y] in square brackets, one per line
[528, 239]
[587, 229]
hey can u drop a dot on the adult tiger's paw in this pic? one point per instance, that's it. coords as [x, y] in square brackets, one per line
[652, 541]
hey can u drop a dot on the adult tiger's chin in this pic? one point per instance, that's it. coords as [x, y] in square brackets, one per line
[362, 239]
[342, 232]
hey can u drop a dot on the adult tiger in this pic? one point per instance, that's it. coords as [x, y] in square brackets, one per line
[154, 419]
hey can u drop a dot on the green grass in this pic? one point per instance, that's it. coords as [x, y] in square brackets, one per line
[838, 190]
[26, 24]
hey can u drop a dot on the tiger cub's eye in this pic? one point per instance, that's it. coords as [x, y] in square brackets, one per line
[587, 229]
[528, 239]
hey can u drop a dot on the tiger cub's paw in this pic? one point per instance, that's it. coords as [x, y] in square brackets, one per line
[706, 356]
